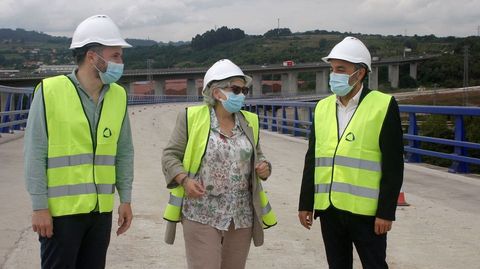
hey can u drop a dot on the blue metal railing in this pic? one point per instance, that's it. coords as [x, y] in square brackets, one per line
[14, 113]
[300, 126]
[286, 117]
[459, 156]
[156, 99]
[294, 125]
[15, 105]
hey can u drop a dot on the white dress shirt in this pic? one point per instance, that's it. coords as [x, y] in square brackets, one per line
[345, 113]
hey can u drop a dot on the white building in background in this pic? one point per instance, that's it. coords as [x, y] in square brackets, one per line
[66, 68]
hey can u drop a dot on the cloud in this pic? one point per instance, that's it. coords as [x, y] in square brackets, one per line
[182, 19]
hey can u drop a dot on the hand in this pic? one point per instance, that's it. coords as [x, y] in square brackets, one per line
[125, 217]
[306, 218]
[382, 226]
[42, 223]
[193, 188]
[262, 169]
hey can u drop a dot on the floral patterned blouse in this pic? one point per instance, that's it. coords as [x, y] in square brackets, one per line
[225, 172]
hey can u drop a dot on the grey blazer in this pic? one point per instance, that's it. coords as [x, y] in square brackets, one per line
[172, 166]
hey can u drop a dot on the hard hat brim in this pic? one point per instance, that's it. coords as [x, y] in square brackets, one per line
[123, 44]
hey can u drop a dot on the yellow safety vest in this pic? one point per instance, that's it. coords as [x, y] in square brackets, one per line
[198, 124]
[80, 174]
[348, 170]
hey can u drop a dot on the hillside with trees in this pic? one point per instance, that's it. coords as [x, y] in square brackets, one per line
[24, 50]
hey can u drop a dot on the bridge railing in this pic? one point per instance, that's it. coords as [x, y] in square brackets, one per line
[459, 156]
[295, 118]
[156, 99]
[14, 107]
[287, 117]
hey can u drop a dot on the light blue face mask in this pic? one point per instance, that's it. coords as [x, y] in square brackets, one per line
[112, 74]
[339, 83]
[234, 102]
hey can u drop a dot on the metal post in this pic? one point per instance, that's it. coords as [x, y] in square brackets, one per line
[465, 76]
[465, 66]
[413, 130]
[274, 119]
[284, 122]
[265, 120]
[295, 123]
[310, 118]
[18, 108]
[6, 118]
[459, 167]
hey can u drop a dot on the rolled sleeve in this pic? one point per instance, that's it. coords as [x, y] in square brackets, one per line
[174, 151]
[124, 162]
[36, 153]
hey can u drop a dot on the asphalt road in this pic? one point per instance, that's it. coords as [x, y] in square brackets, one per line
[439, 230]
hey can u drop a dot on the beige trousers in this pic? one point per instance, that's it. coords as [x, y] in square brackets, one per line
[210, 248]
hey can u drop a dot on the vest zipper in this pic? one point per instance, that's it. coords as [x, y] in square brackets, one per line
[336, 148]
[94, 144]
[95, 154]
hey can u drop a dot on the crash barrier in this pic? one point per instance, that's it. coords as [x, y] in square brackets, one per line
[295, 118]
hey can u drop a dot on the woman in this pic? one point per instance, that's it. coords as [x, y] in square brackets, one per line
[213, 164]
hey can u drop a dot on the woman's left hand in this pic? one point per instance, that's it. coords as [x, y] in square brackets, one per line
[263, 170]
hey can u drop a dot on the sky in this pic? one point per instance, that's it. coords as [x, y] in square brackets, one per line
[180, 20]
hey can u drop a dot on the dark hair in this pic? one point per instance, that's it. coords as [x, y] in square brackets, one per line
[80, 53]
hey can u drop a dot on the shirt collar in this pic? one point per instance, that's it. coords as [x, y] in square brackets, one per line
[354, 101]
[73, 77]
[216, 126]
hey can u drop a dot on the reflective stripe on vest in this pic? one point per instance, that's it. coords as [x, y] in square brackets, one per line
[269, 219]
[348, 170]
[198, 127]
[349, 162]
[347, 188]
[80, 159]
[80, 175]
[78, 189]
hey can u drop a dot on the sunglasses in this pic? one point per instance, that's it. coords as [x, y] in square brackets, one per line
[237, 89]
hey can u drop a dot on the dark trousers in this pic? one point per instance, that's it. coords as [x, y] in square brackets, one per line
[78, 241]
[340, 229]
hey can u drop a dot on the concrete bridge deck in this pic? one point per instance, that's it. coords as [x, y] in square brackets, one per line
[439, 230]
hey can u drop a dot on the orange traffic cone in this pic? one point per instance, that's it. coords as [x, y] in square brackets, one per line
[401, 199]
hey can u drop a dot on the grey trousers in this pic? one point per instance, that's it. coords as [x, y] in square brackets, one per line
[209, 248]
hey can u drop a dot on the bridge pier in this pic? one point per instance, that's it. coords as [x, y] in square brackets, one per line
[413, 70]
[159, 87]
[191, 88]
[131, 88]
[393, 74]
[321, 81]
[290, 84]
[256, 85]
[373, 78]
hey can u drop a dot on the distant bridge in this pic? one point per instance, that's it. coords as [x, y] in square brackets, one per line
[289, 75]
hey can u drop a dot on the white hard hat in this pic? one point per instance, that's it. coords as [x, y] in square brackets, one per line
[224, 69]
[98, 29]
[352, 50]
